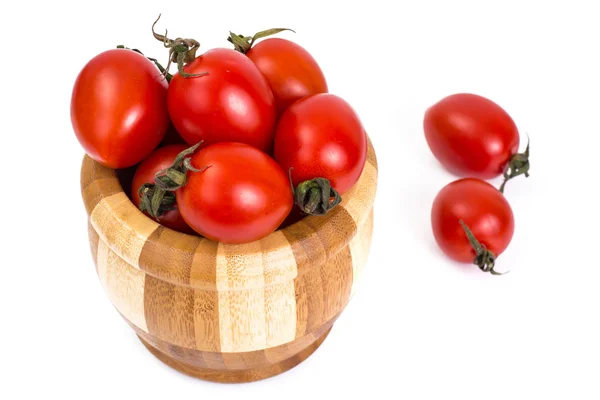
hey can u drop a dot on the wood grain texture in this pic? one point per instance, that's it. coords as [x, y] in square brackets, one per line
[235, 367]
[124, 285]
[266, 370]
[228, 313]
[359, 249]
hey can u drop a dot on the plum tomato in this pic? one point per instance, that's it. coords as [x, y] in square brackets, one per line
[321, 136]
[119, 108]
[292, 71]
[472, 222]
[238, 195]
[159, 160]
[230, 102]
[472, 136]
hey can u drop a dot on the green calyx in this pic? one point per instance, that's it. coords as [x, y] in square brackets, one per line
[181, 51]
[162, 70]
[316, 196]
[243, 43]
[518, 165]
[155, 201]
[157, 198]
[484, 258]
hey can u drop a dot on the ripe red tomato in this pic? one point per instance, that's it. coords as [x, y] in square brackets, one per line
[471, 135]
[291, 71]
[241, 197]
[232, 103]
[119, 108]
[157, 161]
[482, 208]
[321, 136]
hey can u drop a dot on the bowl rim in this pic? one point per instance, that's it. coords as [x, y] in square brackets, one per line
[313, 240]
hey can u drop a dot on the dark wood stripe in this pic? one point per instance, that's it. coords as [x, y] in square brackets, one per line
[322, 292]
[97, 190]
[169, 255]
[94, 239]
[245, 360]
[309, 301]
[306, 246]
[315, 299]
[343, 229]
[206, 320]
[214, 360]
[179, 353]
[169, 311]
[203, 274]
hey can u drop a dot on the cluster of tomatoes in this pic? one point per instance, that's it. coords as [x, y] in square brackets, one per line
[236, 144]
[477, 140]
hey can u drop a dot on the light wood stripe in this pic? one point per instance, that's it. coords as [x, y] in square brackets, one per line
[118, 222]
[360, 198]
[169, 311]
[242, 320]
[280, 299]
[236, 270]
[309, 301]
[337, 283]
[94, 239]
[359, 249]
[279, 264]
[280, 313]
[206, 300]
[123, 284]
[240, 285]
[102, 253]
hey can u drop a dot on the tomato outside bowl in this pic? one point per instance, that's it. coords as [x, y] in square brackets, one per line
[222, 312]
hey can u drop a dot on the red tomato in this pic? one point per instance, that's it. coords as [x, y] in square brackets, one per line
[160, 159]
[483, 209]
[119, 108]
[291, 71]
[321, 136]
[241, 197]
[471, 135]
[232, 103]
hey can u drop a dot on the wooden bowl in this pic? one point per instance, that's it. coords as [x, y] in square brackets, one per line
[228, 313]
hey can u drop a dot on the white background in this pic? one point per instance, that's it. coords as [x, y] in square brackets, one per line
[420, 326]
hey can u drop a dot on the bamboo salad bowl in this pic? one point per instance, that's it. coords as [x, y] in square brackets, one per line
[228, 313]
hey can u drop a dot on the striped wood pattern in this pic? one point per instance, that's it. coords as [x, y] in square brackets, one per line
[223, 312]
